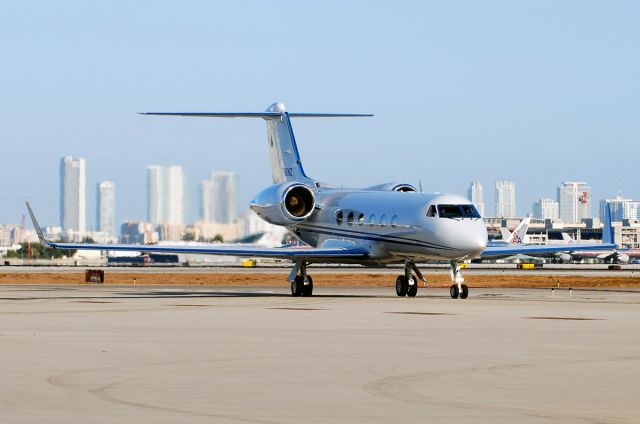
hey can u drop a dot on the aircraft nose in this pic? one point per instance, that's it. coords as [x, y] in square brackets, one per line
[476, 242]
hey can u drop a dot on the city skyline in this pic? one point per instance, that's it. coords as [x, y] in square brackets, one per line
[556, 79]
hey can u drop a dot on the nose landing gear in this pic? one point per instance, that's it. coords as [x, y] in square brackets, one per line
[457, 289]
[407, 284]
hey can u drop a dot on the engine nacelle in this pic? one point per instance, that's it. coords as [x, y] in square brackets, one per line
[393, 186]
[623, 258]
[284, 204]
[566, 258]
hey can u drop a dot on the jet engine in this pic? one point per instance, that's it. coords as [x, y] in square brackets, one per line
[565, 258]
[393, 186]
[622, 258]
[284, 204]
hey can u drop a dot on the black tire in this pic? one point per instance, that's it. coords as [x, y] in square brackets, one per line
[297, 286]
[307, 290]
[402, 285]
[453, 291]
[465, 292]
[412, 291]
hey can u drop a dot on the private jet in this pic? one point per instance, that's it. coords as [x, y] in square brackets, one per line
[390, 223]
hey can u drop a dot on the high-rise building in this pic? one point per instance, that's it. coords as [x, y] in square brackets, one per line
[106, 208]
[475, 193]
[546, 209]
[574, 198]
[505, 199]
[621, 208]
[73, 194]
[165, 194]
[219, 198]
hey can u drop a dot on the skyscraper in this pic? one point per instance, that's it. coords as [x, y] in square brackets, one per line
[475, 193]
[575, 201]
[621, 208]
[165, 194]
[219, 198]
[106, 208]
[73, 194]
[505, 199]
[546, 209]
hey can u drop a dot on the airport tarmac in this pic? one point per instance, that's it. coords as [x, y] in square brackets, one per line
[104, 354]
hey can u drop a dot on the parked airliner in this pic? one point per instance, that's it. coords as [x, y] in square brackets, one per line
[383, 224]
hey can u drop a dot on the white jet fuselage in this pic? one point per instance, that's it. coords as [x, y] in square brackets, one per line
[391, 225]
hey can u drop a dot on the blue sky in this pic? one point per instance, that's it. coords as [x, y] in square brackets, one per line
[537, 92]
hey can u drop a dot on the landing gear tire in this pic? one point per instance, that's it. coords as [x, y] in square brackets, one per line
[413, 289]
[402, 285]
[297, 286]
[453, 291]
[464, 292]
[307, 289]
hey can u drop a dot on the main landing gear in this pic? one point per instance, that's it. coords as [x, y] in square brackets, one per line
[407, 284]
[457, 289]
[301, 283]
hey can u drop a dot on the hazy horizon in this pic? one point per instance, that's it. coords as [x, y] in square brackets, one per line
[538, 93]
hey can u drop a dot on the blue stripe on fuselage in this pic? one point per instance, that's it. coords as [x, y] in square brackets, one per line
[373, 237]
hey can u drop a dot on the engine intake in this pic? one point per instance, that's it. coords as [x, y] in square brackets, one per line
[299, 202]
[284, 204]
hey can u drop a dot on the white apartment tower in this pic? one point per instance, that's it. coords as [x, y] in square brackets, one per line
[575, 201]
[165, 195]
[219, 195]
[505, 199]
[73, 200]
[546, 209]
[106, 208]
[475, 193]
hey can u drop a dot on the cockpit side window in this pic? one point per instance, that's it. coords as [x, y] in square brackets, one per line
[458, 211]
[470, 211]
[431, 211]
[449, 211]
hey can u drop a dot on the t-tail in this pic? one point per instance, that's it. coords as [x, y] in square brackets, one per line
[286, 164]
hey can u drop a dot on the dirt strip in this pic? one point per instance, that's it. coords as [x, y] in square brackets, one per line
[337, 279]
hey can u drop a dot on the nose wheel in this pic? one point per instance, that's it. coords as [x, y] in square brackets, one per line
[462, 292]
[457, 289]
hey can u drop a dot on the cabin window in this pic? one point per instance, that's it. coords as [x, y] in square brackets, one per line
[339, 217]
[383, 220]
[432, 211]
[394, 220]
[372, 219]
[350, 218]
[361, 219]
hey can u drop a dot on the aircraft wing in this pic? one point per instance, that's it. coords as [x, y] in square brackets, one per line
[534, 250]
[293, 253]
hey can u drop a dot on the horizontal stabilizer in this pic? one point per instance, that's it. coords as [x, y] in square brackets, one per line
[264, 115]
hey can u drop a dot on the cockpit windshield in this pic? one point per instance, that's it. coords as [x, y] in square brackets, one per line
[457, 211]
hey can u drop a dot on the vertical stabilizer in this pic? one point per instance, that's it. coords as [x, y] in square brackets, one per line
[283, 151]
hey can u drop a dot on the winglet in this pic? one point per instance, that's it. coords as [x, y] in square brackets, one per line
[43, 240]
[607, 228]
